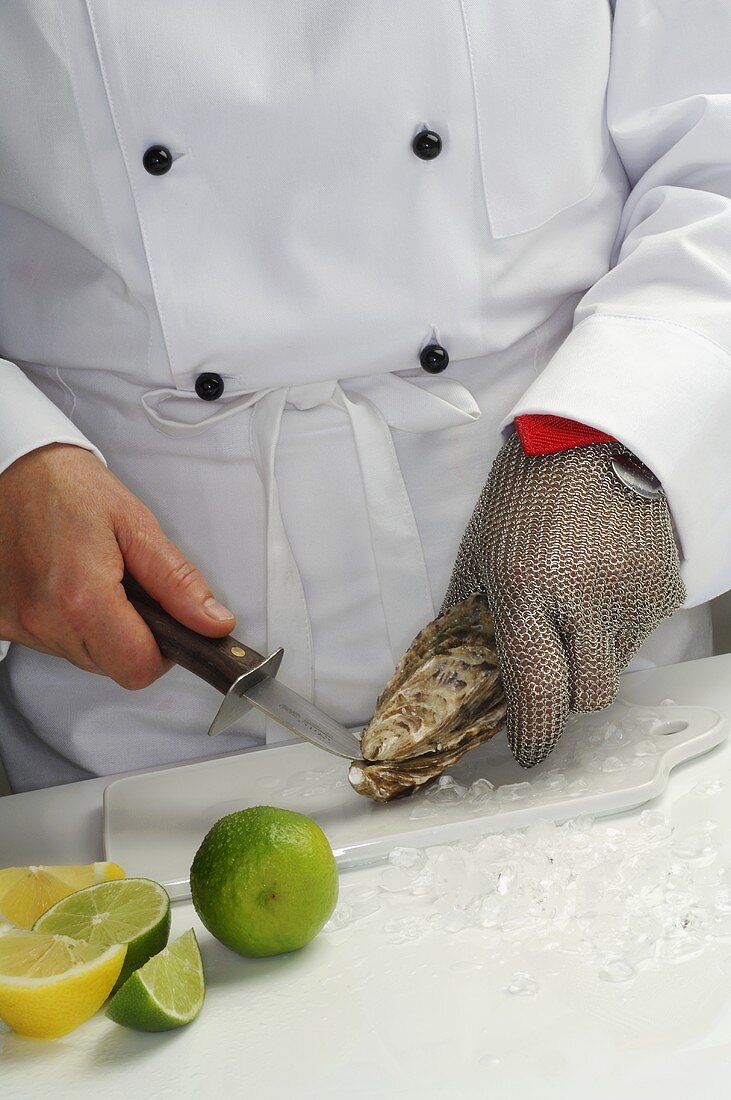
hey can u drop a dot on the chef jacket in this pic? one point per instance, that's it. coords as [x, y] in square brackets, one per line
[293, 272]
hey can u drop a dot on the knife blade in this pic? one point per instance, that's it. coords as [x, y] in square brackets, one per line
[290, 710]
[244, 677]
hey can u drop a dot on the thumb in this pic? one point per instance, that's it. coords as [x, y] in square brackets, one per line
[163, 570]
[535, 676]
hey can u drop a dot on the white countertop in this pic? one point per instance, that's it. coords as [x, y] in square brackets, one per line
[357, 1015]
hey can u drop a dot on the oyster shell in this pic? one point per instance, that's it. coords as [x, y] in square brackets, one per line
[444, 697]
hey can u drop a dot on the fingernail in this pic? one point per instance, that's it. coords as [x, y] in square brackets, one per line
[216, 610]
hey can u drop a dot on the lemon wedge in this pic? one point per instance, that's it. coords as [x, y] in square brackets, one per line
[26, 892]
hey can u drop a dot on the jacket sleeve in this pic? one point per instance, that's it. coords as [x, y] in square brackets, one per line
[648, 359]
[28, 420]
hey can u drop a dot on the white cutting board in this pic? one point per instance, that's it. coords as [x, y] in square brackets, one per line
[604, 763]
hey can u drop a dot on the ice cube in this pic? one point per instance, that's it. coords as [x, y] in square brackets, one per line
[720, 927]
[614, 735]
[617, 970]
[409, 928]
[340, 918]
[550, 781]
[540, 835]
[707, 787]
[480, 791]
[456, 920]
[446, 790]
[645, 747]
[448, 876]
[695, 846]
[406, 857]
[680, 948]
[397, 879]
[422, 809]
[655, 828]
[522, 984]
[577, 787]
[513, 792]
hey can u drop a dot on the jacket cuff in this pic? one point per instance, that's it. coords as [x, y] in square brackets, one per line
[664, 391]
[29, 419]
[547, 435]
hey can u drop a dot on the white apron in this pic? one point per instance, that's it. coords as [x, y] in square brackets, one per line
[300, 248]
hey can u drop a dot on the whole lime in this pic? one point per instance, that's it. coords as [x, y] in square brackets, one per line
[264, 880]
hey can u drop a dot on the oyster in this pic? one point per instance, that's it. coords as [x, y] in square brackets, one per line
[444, 697]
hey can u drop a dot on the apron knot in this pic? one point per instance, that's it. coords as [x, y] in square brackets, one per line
[311, 395]
[375, 405]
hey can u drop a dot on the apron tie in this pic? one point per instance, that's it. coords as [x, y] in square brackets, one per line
[374, 405]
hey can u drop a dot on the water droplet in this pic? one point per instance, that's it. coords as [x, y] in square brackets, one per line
[268, 782]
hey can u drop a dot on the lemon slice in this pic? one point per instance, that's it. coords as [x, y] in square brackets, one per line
[26, 892]
[51, 984]
[133, 911]
[167, 992]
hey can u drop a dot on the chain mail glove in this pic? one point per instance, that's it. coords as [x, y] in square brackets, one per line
[578, 571]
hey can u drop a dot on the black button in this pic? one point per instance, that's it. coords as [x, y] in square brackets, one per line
[209, 387]
[427, 145]
[434, 358]
[157, 160]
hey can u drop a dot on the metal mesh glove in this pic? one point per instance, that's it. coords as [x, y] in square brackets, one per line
[578, 571]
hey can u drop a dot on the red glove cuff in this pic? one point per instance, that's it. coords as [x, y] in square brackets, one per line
[545, 435]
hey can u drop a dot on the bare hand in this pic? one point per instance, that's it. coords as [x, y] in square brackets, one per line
[68, 529]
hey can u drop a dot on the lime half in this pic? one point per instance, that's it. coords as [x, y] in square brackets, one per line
[132, 911]
[167, 992]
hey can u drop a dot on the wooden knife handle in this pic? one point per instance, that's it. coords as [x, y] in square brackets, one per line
[218, 661]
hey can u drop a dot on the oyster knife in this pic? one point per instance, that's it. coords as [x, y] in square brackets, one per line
[244, 677]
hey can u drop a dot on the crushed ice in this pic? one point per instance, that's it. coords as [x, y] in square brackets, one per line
[619, 899]
[615, 897]
[605, 750]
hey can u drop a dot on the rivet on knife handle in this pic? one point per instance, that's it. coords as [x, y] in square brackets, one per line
[221, 662]
[243, 676]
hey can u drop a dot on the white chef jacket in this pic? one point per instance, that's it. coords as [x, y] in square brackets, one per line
[569, 247]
